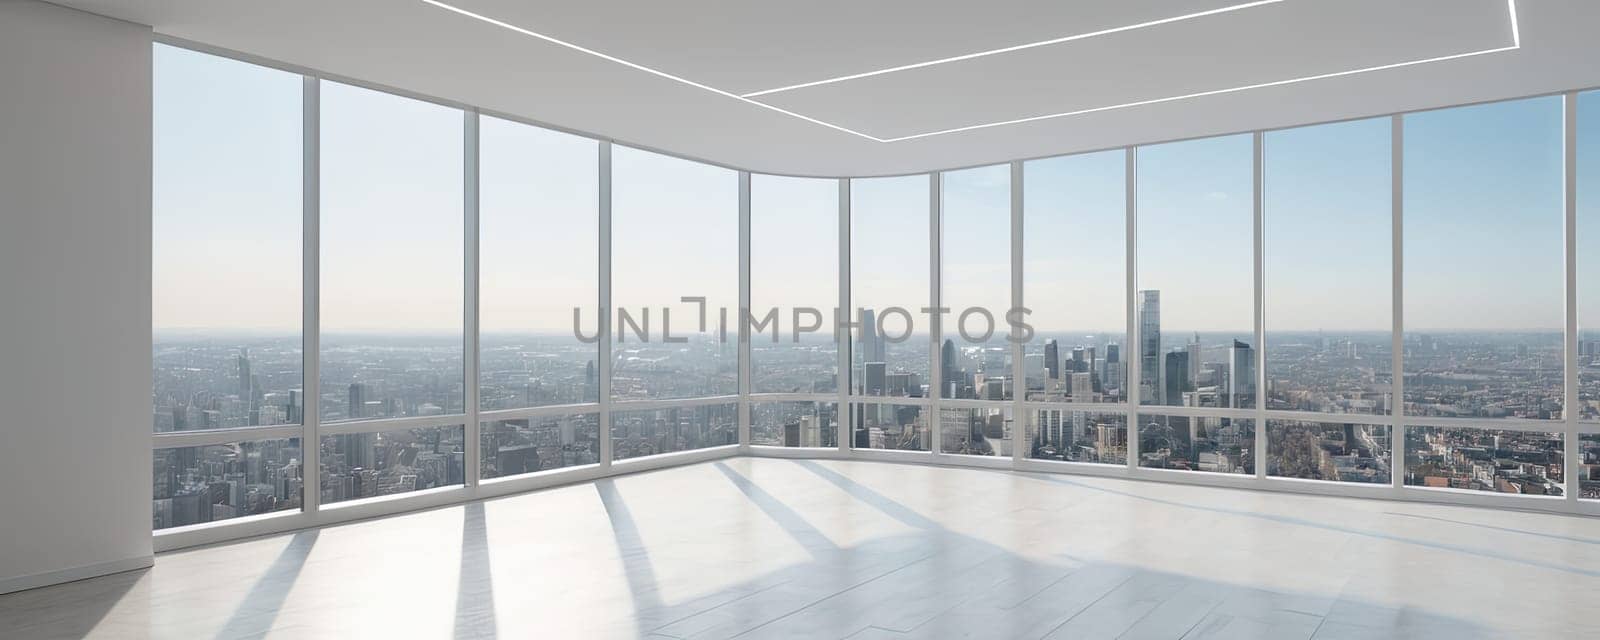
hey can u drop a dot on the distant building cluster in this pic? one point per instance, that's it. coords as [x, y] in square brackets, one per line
[210, 382]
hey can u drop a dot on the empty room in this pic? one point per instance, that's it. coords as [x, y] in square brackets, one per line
[878, 320]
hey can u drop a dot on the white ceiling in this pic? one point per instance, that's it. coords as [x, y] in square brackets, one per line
[701, 55]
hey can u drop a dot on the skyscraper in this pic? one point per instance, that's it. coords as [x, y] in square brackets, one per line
[1111, 373]
[1194, 359]
[357, 401]
[1052, 359]
[1149, 343]
[1241, 375]
[950, 381]
[871, 347]
[876, 379]
[1082, 386]
[244, 373]
[1177, 378]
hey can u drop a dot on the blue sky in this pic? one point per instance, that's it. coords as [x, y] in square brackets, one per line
[1482, 221]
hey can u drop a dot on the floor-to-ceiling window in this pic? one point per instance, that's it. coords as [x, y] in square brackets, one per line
[794, 292]
[1483, 225]
[538, 298]
[226, 288]
[1328, 270]
[1074, 283]
[889, 290]
[975, 364]
[390, 298]
[1195, 305]
[1586, 409]
[675, 291]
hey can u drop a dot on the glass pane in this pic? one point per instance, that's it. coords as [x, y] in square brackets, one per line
[1220, 445]
[975, 432]
[525, 445]
[1074, 265]
[1078, 436]
[889, 285]
[1328, 451]
[976, 280]
[1484, 268]
[794, 270]
[1484, 460]
[226, 239]
[890, 426]
[675, 234]
[195, 485]
[1589, 466]
[1196, 273]
[366, 465]
[636, 434]
[1328, 268]
[539, 253]
[1588, 280]
[794, 424]
[391, 304]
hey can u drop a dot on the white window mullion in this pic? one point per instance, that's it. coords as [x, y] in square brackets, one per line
[744, 309]
[1569, 404]
[470, 307]
[1397, 386]
[1258, 199]
[310, 279]
[1131, 356]
[841, 333]
[604, 325]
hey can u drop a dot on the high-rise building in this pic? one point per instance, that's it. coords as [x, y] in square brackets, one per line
[950, 382]
[994, 388]
[870, 346]
[1194, 349]
[1241, 375]
[591, 383]
[1052, 359]
[1111, 373]
[1094, 364]
[243, 362]
[1177, 378]
[1082, 387]
[1149, 343]
[357, 401]
[876, 381]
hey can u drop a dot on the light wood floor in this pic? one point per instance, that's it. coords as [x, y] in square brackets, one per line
[764, 548]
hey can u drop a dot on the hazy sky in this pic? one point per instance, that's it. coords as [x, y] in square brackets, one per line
[539, 214]
[794, 248]
[889, 260]
[1482, 222]
[674, 233]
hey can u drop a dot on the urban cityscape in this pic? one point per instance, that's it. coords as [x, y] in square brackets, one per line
[224, 381]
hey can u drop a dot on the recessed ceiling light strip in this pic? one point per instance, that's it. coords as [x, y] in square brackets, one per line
[640, 67]
[1511, 6]
[1201, 94]
[1020, 47]
[1516, 43]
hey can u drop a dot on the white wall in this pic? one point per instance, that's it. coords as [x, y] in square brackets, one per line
[74, 295]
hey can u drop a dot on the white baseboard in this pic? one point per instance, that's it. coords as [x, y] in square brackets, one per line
[36, 580]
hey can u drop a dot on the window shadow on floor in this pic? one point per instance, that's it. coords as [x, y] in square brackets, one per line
[475, 588]
[261, 604]
[936, 583]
